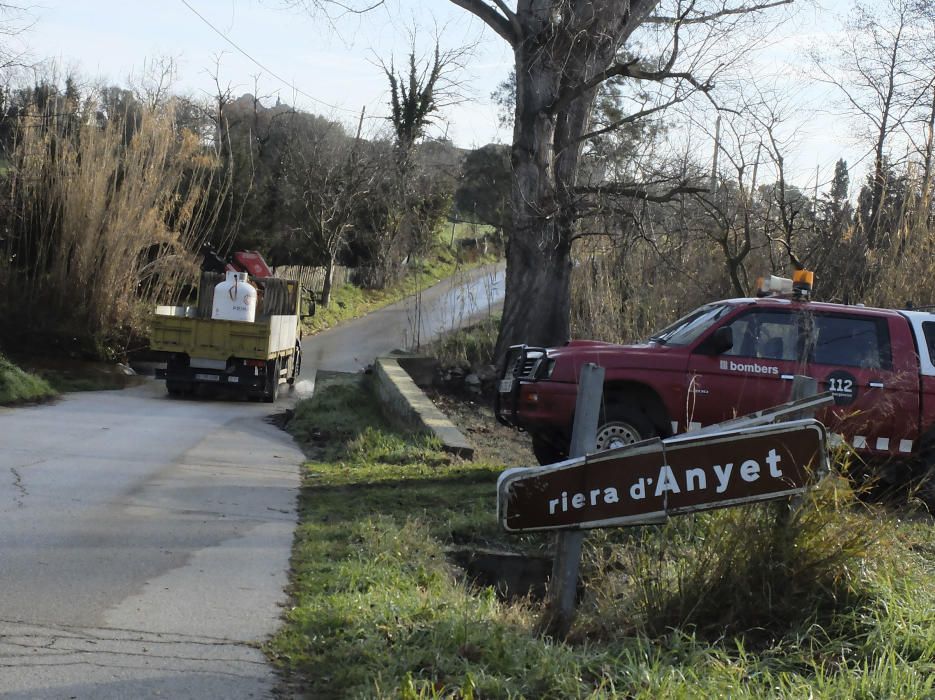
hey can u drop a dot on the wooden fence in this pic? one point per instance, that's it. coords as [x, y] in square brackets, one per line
[313, 278]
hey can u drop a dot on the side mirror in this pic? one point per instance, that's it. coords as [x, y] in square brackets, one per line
[718, 342]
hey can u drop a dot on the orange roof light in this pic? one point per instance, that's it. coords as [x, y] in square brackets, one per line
[802, 282]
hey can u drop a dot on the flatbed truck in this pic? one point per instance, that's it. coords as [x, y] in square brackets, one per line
[249, 358]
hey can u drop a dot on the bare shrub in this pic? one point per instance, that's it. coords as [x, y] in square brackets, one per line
[625, 287]
[737, 570]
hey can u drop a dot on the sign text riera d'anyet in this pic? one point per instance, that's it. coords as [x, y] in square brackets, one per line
[655, 479]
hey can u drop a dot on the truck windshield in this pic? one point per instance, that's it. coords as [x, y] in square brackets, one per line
[688, 328]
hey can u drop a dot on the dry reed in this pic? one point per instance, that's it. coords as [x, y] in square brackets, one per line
[101, 227]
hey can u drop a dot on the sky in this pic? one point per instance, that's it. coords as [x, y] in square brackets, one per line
[334, 68]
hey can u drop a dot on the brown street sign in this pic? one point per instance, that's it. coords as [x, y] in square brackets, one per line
[649, 481]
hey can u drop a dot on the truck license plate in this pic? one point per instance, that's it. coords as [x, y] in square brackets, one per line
[207, 377]
[506, 385]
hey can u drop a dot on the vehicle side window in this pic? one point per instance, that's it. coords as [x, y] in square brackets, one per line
[768, 335]
[851, 341]
[928, 328]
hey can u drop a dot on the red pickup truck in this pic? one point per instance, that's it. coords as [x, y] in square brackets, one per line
[733, 357]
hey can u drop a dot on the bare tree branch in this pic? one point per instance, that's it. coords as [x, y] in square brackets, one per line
[632, 69]
[638, 191]
[310, 5]
[746, 9]
[630, 118]
[506, 26]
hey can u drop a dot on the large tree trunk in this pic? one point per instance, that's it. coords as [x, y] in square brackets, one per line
[560, 48]
[538, 256]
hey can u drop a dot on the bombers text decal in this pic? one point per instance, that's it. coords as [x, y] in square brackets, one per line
[748, 367]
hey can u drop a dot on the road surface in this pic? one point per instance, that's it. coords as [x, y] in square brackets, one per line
[450, 304]
[145, 541]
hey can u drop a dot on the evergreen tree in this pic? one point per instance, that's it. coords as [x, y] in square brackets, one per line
[837, 212]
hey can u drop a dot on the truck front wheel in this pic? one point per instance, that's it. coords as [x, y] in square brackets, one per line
[295, 364]
[622, 424]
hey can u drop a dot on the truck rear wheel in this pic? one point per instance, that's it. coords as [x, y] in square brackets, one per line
[925, 490]
[176, 388]
[622, 424]
[923, 483]
[271, 392]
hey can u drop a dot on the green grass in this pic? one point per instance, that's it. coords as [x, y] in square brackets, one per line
[17, 386]
[349, 302]
[835, 604]
[66, 374]
[471, 346]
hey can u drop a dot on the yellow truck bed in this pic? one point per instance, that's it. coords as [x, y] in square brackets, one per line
[176, 330]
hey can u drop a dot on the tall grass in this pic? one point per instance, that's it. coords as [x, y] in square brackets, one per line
[101, 221]
[623, 293]
[470, 346]
[752, 571]
[901, 270]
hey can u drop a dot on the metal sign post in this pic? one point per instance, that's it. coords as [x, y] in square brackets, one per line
[560, 609]
[803, 388]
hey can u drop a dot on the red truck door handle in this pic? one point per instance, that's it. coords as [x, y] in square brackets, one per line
[875, 385]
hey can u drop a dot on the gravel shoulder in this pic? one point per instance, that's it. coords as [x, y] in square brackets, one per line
[494, 443]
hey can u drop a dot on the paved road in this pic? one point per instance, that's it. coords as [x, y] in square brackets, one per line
[450, 304]
[144, 541]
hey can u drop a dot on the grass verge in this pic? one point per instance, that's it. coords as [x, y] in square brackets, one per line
[18, 386]
[68, 374]
[471, 346]
[835, 604]
[349, 302]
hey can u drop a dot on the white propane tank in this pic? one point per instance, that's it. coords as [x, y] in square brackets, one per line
[235, 299]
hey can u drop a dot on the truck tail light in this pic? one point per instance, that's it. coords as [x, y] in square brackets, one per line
[254, 363]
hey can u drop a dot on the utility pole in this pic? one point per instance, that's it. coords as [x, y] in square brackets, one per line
[717, 147]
